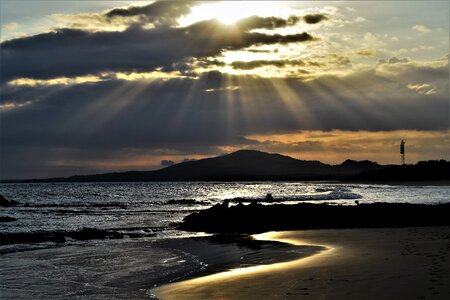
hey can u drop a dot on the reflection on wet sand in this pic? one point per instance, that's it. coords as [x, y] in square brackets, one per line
[366, 263]
[216, 285]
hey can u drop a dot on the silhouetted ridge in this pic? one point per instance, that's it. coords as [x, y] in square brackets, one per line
[360, 163]
[352, 166]
[240, 165]
[244, 165]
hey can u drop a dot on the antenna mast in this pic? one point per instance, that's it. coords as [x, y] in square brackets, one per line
[402, 152]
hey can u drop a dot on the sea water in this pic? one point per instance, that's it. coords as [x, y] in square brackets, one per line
[146, 207]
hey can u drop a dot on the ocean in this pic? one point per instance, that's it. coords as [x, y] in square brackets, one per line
[146, 216]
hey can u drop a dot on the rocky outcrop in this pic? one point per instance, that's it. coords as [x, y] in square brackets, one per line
[57, 236]
[7, 219]
[7, 203]
[256, 218]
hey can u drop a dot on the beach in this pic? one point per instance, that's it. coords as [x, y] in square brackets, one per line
[124, 240]
[391, 263]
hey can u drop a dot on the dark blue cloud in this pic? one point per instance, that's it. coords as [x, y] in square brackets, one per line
[101, 120]
[69, 52]
[159, 13]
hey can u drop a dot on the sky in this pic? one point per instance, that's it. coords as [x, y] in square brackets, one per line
[99, 86]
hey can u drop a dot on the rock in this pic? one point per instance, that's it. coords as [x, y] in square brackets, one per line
[93, 233]
[56, 236]
[4, 202]
[269, 198]
[257, 218]
[7, 219]
[31, 237]
[187, 202]
[181, 201]
[7, 203]
[13, 203]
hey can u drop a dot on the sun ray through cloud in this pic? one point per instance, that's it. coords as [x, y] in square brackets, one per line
[196, 75]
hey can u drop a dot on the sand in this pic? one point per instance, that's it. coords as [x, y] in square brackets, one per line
[406, 263]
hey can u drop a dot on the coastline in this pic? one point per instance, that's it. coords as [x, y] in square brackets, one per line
[386, 263]
[129, 268]
[150, 251]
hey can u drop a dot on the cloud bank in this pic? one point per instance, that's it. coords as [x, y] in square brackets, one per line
[82, 101]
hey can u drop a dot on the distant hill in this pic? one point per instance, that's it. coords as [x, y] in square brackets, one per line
[432, 170]
[236, 166]
[353, 167]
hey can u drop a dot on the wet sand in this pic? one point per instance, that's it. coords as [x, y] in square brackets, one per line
[129, 268]
[402, 263]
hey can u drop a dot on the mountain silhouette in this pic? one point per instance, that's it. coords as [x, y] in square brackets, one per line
[236, 166]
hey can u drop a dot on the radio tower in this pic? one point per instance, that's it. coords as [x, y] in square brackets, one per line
[402, 152]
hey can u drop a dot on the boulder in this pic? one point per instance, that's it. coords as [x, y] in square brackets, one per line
[93, 234]
[4, 202]
[7, 219]
[13, 203]
[7, 203]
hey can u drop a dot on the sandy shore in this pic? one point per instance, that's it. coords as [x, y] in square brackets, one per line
[406, 263]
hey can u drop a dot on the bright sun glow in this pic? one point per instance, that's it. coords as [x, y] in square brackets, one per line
[229, 12]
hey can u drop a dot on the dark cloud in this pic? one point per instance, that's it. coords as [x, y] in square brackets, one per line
[322, 61]
[262, 51]
[394, 60]
[69, 52]
[167, 163]
[366, 52]
[415, 72]
[61, 129]
[256, 22]
[189, 159]
[329, 60]
[158, 13]
[265, 39]
[280, 147]
[315, 18]
[79, 123]
[205, 63]
[249, 65]
[118, 114]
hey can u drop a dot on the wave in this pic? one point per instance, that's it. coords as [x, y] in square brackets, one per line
[82, 205]
[188, 202]
[344, 189]
[334, 195]
[330, 196]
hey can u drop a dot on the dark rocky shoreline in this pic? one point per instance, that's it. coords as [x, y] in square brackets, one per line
[257, 218]
[59, 236]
